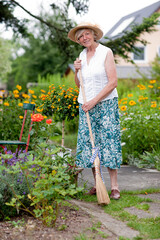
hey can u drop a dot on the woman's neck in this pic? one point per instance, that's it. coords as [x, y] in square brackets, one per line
[93, 47]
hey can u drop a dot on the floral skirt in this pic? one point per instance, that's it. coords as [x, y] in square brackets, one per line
[104, 118]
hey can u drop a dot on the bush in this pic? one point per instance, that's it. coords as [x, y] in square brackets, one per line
[12, 118]
[139, 115]
[48, 175]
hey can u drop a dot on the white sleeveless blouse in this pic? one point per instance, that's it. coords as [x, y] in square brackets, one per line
[94, 74]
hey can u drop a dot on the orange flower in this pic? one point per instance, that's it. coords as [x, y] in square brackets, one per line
[49, 121]
[37, 117]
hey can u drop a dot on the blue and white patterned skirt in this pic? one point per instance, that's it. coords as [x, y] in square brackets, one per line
[104, 118]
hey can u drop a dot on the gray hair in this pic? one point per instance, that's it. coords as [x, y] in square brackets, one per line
[80, 31]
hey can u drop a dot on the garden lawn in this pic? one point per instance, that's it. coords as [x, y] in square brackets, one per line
[147, 227]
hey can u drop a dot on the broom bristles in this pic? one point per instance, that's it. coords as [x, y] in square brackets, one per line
[101, 191]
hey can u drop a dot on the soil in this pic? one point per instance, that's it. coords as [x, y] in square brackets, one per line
[71, 225]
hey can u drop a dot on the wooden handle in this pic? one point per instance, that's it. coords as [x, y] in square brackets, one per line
[87, 113]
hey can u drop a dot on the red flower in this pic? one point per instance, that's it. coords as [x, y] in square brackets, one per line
[49, 121]
[37, 117]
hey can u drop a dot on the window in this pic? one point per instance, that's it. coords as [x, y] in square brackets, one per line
[139, 56]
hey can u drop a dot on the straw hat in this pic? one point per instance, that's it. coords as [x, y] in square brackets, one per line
[94, 27]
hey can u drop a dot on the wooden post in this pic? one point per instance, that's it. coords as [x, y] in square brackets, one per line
[63, 122]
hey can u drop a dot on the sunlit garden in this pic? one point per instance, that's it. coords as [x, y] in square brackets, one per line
[39, 178]
[47, 166]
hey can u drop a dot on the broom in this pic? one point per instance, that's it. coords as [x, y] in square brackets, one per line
[101, 191]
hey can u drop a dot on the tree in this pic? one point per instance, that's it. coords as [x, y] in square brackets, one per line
[59, 50]
[7, 17]
[5, 58]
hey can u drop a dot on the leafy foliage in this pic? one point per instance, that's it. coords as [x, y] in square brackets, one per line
[60, 102]
[5, 58]
[7, 17]
[51, 172]
[139, 114]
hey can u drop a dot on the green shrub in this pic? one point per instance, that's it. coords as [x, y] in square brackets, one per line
[9, 182]
[139, 116]
[49, 179]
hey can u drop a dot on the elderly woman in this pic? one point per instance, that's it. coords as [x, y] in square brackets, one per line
[100, 81]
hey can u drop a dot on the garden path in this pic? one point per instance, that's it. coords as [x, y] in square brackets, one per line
[129, 178]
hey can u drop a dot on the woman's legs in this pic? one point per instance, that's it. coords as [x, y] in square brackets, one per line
[113, 178]
[94, 175]
[115, 193]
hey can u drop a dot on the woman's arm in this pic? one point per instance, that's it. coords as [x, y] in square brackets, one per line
[112, 82]
[77, 66]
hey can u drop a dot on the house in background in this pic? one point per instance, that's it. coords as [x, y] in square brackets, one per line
[148, 53]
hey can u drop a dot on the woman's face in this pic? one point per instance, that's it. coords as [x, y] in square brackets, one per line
[86, 38]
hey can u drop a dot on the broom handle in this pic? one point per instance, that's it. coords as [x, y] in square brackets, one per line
[87, 113]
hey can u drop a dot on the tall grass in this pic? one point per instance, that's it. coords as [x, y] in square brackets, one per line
[56, 79]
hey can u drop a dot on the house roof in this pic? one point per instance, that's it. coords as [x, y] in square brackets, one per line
[124, 72]
[126, 22]
[132, 72]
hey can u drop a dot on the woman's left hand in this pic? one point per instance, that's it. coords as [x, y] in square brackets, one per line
[88, 105]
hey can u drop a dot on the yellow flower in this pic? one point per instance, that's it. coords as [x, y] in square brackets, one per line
[16, 95]
[39, 110]
[34, 96]
[77, 106]
[142, 87]
[154, 105]
[132, 103]
[30, 91]
[125, 102]
[19, 87]
[59, 99]
[32, 102]
[20, 104]
[26, 101]
[69, 106]
[54, 172]
[20, 117]
[150, 86]
[152, 81]
[6, 104]
[43, 91]
[15, 92]
[25, 95]
[130, 95]
[123, 108]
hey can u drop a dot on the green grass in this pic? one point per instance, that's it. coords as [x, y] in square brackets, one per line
[149, 228]
[70, 140]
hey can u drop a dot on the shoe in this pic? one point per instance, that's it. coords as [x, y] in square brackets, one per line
[92, 191]
[115, 194]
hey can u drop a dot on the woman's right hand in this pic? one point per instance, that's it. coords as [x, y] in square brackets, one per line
[77, 64]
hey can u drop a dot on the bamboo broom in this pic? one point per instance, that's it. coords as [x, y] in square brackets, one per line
[101, 191]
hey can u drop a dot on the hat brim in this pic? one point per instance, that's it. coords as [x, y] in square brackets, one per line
[72, 32]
